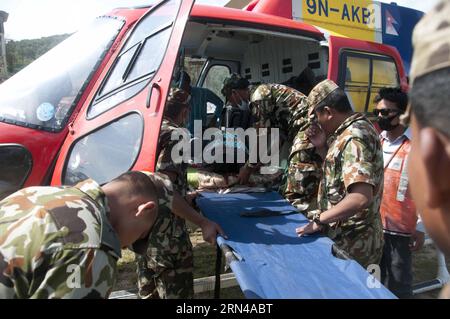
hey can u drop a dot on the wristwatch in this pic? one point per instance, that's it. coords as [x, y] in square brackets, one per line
[316, 219]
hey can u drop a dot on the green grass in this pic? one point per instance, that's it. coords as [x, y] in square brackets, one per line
[127, 271]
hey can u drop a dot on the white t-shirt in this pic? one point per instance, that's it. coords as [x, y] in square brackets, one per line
[390, 147]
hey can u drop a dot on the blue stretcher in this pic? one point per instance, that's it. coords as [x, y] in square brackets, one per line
[270, 261]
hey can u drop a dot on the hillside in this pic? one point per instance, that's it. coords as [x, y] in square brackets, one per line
[21, 53]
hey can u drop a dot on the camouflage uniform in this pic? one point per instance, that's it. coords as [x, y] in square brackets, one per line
[354, 156]
[276, 105]
[303, 173]
[50, 233]
[166, 271]
[57, 242]
[279, 106]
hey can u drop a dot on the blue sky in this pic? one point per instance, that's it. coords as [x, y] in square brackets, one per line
[31, 19]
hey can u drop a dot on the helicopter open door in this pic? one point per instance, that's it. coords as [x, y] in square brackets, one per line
[119, 126]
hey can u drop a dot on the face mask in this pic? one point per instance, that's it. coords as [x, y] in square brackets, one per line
[244, 105]
[186, 118]
[385, 123]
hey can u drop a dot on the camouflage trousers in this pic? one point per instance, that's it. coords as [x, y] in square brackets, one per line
[364, 243]
[166, 277]
[166, 271]
[301, 181]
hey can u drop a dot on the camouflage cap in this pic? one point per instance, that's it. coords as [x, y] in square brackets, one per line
[234, 82]
[431, 40]
[178, 96]
[164, 192]
[319, 93]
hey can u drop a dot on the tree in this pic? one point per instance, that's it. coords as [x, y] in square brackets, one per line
[21, 53]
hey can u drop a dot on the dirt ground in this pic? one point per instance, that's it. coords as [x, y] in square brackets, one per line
[424, 263]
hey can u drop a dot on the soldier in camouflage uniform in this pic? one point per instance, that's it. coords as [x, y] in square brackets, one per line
[277, 106]
[429, 158]
[352, 181]
[64, 242]
[237, 97]
[165, 271]
[303, 173]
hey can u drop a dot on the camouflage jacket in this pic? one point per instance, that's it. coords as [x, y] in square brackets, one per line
[354, 156]
[57, 242]
[170, 232]
[303, 173]
[165, 163]
[277, 105]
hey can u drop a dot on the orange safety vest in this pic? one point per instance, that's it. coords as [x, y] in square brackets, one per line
[398, 211]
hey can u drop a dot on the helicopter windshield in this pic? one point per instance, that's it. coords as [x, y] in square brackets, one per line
[43, 95]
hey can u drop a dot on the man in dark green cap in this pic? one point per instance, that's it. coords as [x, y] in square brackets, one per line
[165, 271]
[352, 175]
[237, 98]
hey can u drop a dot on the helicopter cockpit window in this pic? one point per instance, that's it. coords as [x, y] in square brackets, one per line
[44, 93]
[105, 153]
[139, 59]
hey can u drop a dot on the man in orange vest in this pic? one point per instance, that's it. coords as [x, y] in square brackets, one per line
[398, 212]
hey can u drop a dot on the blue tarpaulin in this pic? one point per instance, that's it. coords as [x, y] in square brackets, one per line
[272, 262]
